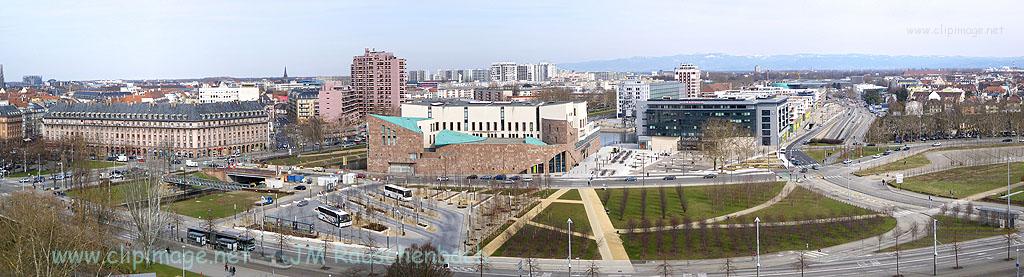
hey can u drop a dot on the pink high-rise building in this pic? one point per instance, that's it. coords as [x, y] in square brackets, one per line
[331, 100]
[378, 84]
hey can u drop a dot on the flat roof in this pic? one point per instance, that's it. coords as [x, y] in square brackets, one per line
[405, 122]
[469, 103]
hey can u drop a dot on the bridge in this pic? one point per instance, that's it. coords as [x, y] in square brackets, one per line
[190, 181]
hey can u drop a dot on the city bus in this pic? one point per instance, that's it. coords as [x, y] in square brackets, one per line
[334, 216]
[233, 241]
[397, 192]
[197, 237]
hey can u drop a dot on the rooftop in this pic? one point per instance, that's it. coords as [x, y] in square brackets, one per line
[469, 103]
[157, 111]
[405, 122]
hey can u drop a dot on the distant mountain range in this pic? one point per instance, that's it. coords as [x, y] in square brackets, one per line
[726, 62]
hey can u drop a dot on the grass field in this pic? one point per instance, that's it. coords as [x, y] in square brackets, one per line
[1017, 198]
[535, 242]
[572, 194]
[203, 175]
[819, 154]
[731, 242]
[803, 204]
[86, 164]
[915, 161]
[557, 214]
[701, 202]
[963, 181]
[544, 193]
[216, 205]
[331, 156]
[100, 193]
[951, 229]
[601, 112]
[864, 151]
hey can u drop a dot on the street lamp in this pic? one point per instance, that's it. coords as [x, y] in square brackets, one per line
[183, 260]
[569, 259]
[757, 230]
[935, 246]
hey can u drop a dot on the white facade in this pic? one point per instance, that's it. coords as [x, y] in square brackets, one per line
[487, 119]
[228, 93]
[630, 91]
[689, 75]
[513, 72]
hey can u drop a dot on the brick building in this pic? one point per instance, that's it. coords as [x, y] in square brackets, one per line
[462, 138]
[378, 84]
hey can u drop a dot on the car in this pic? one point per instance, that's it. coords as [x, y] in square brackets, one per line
[630, 179]
[485, 177]
[527, 178]
[442, 179]
[887, 153]
[299, 187]
[803, 170]
[797, 162]
[25, 180]
[870, 144]
[670, 177]
[937, 144]
[1007, 140]
[514, 178]
[710, 176]
[876, 156]
[815, 166]
[905, 148]
[302, 203]
[471, 177]
[500, 177]
[508, 182]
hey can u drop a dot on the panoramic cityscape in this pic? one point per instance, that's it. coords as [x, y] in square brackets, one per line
[524, 138]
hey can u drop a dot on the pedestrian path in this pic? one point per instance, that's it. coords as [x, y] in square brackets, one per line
[788, 188]
[608, 240]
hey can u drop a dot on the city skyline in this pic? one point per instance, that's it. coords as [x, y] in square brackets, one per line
[195, 39]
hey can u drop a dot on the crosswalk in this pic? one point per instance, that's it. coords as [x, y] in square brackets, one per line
[903, 213]
[816, 254]
[833, 177]
[870, 263]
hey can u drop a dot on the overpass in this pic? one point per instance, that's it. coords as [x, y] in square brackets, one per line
[189, 181]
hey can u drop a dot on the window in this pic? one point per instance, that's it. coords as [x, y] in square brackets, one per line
[766, 112]
[766, 125]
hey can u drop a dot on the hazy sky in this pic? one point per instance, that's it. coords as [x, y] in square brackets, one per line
[103, 39]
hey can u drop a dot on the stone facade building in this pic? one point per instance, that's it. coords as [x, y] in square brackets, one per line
[10, 123]
[190, 130]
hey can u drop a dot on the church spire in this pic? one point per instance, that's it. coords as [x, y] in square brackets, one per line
[3, 85]
[286, 72]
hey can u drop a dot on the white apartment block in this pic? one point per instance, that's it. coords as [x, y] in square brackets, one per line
[229, 92]
[629, 92]
[511, 72]
[689, 75]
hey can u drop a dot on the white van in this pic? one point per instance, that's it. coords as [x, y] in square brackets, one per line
[191, 163]
[122, 158]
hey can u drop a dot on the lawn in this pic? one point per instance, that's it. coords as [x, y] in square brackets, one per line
[557, 214]
[600, 112]
[963, 181]
[701, 202]
[216, 205]
[819, 154]
[710, 243]
[803, 204]
[1017, 198]
[203, 175]
[572, 194]
[915, 161]
[100, 193]
[163, 270]
[536, 242]
[951, 229]
[544, 193]
[865, 151]
[85, 164]
[333, 156]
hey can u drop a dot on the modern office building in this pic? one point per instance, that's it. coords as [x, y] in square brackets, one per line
[303, 104]
[480, 137]
[767, 119]
[189, 130]
[504, 72]
[635, 88]
[689, 75]
[416, 76]
[229, 92]
[378, 81]
[11, 126]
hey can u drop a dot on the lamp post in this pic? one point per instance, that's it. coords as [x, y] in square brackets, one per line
[182, 260]
[569, 258]
[757, 230]
[935, 246]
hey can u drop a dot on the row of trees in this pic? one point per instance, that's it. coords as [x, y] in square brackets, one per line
[722, 140]
[959, 121]
[315, 130]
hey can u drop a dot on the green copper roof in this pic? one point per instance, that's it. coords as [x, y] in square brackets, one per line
[446, 137]
[534, 141]
[405, 122]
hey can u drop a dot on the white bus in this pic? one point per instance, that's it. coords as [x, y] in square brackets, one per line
[397, 192]
[334, 216]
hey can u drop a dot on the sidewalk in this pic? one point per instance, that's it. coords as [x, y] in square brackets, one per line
[608, 240]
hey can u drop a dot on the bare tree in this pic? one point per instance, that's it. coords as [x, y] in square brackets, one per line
[419, 260]
[729, 267]
[664, 268]
[593, 270]
[802, 262]
[719, 139]
[143, 197]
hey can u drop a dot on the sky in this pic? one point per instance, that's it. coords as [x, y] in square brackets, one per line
[142, 39]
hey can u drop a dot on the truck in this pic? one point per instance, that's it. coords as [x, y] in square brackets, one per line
[274, 183]
[191, 163]
[348, 179]
[265, 200]
[295, 178]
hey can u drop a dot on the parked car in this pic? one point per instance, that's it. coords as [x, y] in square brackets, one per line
[302, 203]
[485, 177]
[300, 187]
[710, 176]
[876, 156]
[815, 167]
[1007, 140]
[25, 180]
[630, 179]
[937, 144]
[471, 177]
[500, 177]
[514, 178]
[803, 170]
[442, 179]
[670, 177]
